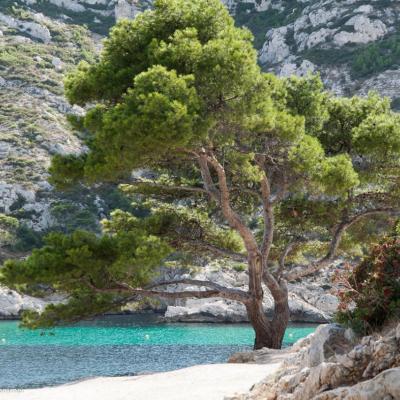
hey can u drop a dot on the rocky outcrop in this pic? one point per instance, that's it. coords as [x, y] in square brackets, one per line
[385, 386]
[365, 30]
[31, 28]
[12, 304]
[275, 49]
[331, 365]
[126, 9]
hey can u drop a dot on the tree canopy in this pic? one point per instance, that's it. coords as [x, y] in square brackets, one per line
[231, 162]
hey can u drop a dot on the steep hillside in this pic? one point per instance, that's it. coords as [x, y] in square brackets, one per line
[35, 52]
[354, 44]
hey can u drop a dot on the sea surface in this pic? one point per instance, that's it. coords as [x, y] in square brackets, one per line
[117, 345]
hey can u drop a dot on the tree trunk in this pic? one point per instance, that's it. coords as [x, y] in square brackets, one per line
[281, 315]
[269, 333]
[260, 323]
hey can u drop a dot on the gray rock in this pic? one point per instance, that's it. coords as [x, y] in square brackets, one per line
[275, 49]
[57, 63]
[126, 9]
[385, 386]
[33, 29]
[327, 341]
[12, 303]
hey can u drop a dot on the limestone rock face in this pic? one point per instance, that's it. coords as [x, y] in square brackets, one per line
[385, 386]
[327, 341]
[33, 29]
[365, 370]
[72, 5]
[330, 36]
[126, 9]
[12, 303]
[275, 49]
[365, 30]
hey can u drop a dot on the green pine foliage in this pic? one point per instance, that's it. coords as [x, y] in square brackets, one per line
[78, 262]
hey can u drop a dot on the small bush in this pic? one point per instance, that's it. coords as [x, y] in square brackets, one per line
[239, 267]
[27, 239]
[370, 293]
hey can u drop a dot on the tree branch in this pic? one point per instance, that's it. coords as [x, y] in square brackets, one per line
[335, 242]
[282, 258]
[268, 212]
[170, 187]
[207, 179]
[195, 282]
[216, 291]
[231, 216]
[220, 252]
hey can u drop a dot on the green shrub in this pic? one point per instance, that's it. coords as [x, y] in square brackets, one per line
[239, 267]
[27, 239]
[371, 291]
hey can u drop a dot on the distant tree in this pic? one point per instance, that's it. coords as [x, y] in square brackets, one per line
[243, 165]
[8, 231]
[8, 228]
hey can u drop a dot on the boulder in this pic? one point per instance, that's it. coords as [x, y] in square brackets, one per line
[327, 341]
[262, 356]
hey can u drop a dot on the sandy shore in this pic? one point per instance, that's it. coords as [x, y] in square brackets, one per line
[202, 382]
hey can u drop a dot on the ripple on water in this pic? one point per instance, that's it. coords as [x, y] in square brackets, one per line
[117, 345]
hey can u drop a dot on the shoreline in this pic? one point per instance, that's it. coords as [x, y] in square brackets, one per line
[163, 320]
[200, 382]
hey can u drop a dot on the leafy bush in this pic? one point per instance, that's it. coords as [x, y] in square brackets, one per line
[239, 267]
[27, 239]
[371, 291]
[8, 227]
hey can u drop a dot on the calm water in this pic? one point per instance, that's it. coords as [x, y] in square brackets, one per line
[117, 345]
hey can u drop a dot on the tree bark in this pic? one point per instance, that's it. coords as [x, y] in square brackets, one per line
[268, 333]
[260, 324]
[281, 315]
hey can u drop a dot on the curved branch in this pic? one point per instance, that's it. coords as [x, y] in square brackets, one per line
[200, 294]
[170, 187]
[220, 252]
[231, 216]
[282, 259]
[343, 226]
[196, 282]
[268, 212]
[192, 282]
[335, 242]
[216, 291]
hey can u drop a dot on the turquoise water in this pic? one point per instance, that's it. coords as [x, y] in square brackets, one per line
[117, 345]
